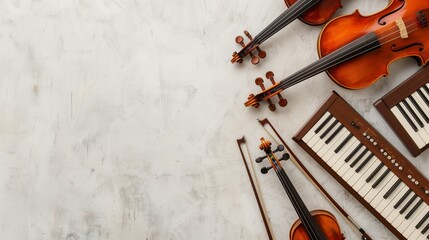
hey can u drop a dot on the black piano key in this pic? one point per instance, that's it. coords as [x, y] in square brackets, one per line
[359, 158]
[419, 109]
[353, 152]
[328, 129]
[422, 221]
[323, 124]
[402, 199]
[362, 165]
[372, 175]
[385, 196]
[380, 178]
[423, 97]
[425, 229]
[338, 149]
[426, 89]
[407, 117]
[335, 133]
[413, 114]
[414, 209]
[408, 204]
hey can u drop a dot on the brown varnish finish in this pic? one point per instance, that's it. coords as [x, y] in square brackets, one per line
[364, 70]
[326, 222]
[356, 125]
[395, 96]
[319, 13]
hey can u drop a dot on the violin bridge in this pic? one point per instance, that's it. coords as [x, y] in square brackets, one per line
[402, 28]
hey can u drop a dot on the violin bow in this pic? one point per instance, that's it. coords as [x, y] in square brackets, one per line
[304, 170]
[255, 187]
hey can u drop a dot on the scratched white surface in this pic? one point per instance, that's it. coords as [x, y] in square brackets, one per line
[119, 120]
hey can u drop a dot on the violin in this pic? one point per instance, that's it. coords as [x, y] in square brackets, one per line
[314, 225]
[356, 50]
[312, 12]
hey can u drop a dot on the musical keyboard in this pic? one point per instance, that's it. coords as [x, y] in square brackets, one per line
[406, 110]
[372, 170]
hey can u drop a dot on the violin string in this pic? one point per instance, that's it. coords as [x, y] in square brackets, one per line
[285, 84]
[299, 209]
[305, 76]
[278, 24]
[261, 37]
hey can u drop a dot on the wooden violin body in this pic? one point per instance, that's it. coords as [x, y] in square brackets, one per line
[314, 225]
[357, 50]
[364, 70]
[319, 13]
[325, 220]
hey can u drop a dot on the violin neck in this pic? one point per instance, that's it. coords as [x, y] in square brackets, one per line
[288, 16]
[362, 45]
[302, 211]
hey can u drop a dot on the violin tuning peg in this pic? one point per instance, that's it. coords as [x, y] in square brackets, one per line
[284, 157]
[239, 40]
[279, 148]
[265, 170]
[282, 101]
[255, 60]
[260, 82]
[271, 105]
[270, 75]
[260, 159]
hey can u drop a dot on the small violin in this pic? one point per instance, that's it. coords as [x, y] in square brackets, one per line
[356, 50]
[312, 12]
[314, 225]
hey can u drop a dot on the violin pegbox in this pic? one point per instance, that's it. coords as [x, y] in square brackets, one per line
[266, 147]
[260, 82]
[247, 50]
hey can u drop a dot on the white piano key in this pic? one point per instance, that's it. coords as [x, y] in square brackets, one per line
[365, 189]
[421, 131]
[387, 210]
[361, 182]
[335, 156]
[380, 196]
[351, 171]
[312, 133]
[418, 232]
[407, 222]
[316, 139]
[330, 153]
[416, 138]
[340, 161]
[346, 167]
[374, 191]
[392, 218]
[321, 143]
[408, 230]
[332, 145]
[356, 176]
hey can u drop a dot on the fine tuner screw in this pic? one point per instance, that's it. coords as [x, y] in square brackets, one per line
[260, 82]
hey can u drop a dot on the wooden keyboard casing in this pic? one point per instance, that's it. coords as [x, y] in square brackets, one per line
[398, 94]
[354, 122]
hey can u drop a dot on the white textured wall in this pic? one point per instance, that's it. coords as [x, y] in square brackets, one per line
[119, 119]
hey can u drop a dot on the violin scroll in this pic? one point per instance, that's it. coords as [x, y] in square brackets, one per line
[266, 94]
[248, 50]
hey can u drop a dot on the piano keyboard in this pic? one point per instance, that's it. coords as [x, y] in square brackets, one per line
[374, 172]
[406, 110]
